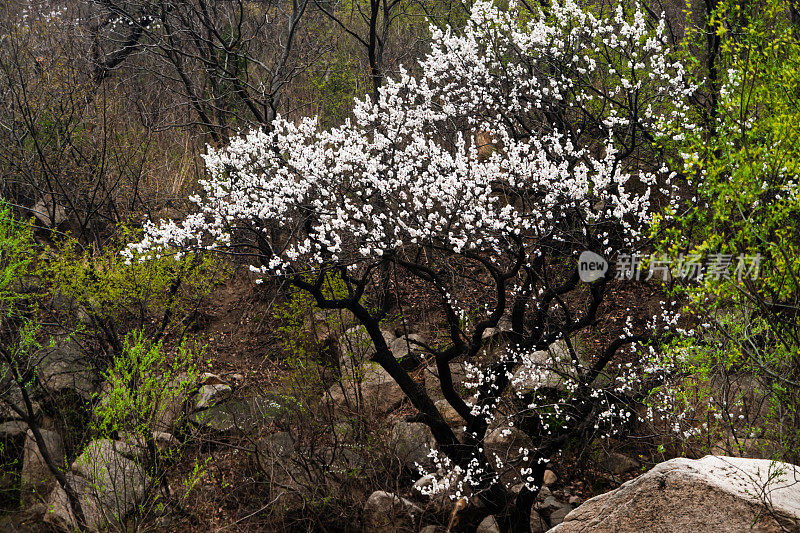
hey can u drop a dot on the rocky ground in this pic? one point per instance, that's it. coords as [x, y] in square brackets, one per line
[246, 451]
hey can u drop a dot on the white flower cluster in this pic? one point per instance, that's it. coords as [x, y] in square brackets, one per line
[407, 170]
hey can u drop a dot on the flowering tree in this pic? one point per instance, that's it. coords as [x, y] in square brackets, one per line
[528, 137]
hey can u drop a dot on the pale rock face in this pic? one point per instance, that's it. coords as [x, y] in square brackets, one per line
[413, 442]
[488, 525]
[385, 512]
[212, 394]
[356, 348]
[172, 412]
[376, 391]
[64, 367]
[110, 483]
[407, 350]
[720, 494]
[37, 480]
[550, 477]
[538, 524]
[48, 212]
[432, 385]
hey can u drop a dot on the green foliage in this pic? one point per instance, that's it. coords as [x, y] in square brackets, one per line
[20, 329]
[743, 169]
[142, 382]
[16, 256]
[108, 287]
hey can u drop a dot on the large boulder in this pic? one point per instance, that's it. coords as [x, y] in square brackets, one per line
[12, 395]
[49, 212]
[242, 416]
[297, 475]
[385, 512]
[408, 350]
[375, 392]
[37, 479]
[413, 442]
[273, 447]
[449, 413]
[213, 394]
[458, 374]
[173, 409]
[65, 368]
[12, 443]
[720, 494]
[355, 352]
[488, 525]
[110, 482]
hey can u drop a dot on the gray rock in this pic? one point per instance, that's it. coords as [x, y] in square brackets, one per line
[720, 494]
[356, 348]
[558, 515]
[273, 447]
[63, 367]
[209, 395]
[385, 512]
[37, 480]
[103, 451]
[406, 350]
[538, 524]
[432, 386]
[376, 392]
[13, 429]
[538, 371]
[617, 463]
[341, 460]
[550, 505]
[113, 467]
[27, 520]
[488, 525]
[413, 442]
[298, 474]
[449, 413]
[109, 486]
[424, 482]
[503, 326]
[49, 212]
[207, 378]
[13, 395]
[241, 416]
[60, 514]
[12, 444]
[172, 413]
[163, 440]
[505, 441]
[443, 501]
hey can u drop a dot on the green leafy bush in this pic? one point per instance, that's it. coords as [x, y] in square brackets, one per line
[743, 176]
